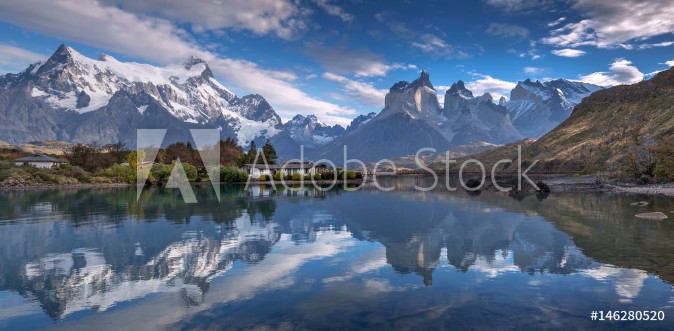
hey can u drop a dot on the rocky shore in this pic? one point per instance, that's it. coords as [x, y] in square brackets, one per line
[597, 184]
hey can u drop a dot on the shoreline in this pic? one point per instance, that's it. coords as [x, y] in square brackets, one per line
[120, 185]
[556, 185]
[64, 186]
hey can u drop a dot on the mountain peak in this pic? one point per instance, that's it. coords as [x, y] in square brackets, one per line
[62, 57]
[423, 80]
[192, 61]
[459, 88]
[63, 49]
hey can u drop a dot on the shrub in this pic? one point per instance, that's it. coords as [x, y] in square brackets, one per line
[297, 176]
[160, 173]
[351, 175]
[278, 176]
[317, 176]
[120, 172]
[230, 174]
[190, 171]
[329, 175]
[68, 170]
[263, 178]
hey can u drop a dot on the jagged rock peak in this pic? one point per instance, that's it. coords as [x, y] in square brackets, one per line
[399, 86]
[192, 61]
[423, 80]
[460, 89]
[63, 49]
[487, 97]
[502, 101]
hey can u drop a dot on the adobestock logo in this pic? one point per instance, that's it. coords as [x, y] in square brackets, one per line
[323, 174]
[148, 143]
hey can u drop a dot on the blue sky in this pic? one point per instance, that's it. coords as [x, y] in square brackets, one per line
[337, 59]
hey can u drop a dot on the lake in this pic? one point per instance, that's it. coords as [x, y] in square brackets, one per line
[82, 259]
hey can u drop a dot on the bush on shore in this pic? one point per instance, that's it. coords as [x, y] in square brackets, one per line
[230, 174]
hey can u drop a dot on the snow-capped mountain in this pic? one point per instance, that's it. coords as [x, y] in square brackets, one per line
[74, 98]
[538, 107]
[309, 131]
[412, 119]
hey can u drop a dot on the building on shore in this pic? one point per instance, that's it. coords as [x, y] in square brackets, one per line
[288, 168]
[39, 161]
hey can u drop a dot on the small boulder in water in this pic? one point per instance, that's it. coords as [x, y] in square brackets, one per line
[473, 183]
[639, 203]
[652, 216]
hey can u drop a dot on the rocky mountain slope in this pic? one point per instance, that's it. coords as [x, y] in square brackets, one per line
[70, 97]
[538, 107]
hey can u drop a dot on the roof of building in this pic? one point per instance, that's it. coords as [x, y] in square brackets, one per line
[261, 166]
[40, 158]
[294, 164]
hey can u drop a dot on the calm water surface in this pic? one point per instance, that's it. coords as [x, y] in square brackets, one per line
[97, 258]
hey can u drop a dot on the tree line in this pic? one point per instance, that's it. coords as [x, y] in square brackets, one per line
[92, 157]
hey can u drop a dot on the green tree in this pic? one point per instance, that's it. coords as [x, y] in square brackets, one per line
[269, 152]
[250, 156]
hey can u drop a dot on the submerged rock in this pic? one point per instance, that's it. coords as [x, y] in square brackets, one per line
[652, 216]
[639, 203]
[473, 183]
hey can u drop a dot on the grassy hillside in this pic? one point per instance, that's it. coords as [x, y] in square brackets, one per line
[614, 128]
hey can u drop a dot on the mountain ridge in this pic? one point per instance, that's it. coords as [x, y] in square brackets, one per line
[73, 98]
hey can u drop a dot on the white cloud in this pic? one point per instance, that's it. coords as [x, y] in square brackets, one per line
[428, 43]
[159, 41]
[557, 22]
[284, 18]
[670, 63]
[362, 63]
[533, 70]
[436, 47]
[363, 92]
[621, 72]
[14, 59]
[521, 6]
[568, 52]
[617, 23]
[507, 30]
[334, 10]
[662, 44]
[488, 84]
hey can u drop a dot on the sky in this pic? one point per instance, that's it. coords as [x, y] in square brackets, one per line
[337, 59]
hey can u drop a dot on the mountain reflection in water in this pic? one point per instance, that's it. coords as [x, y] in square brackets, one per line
[80, 255]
